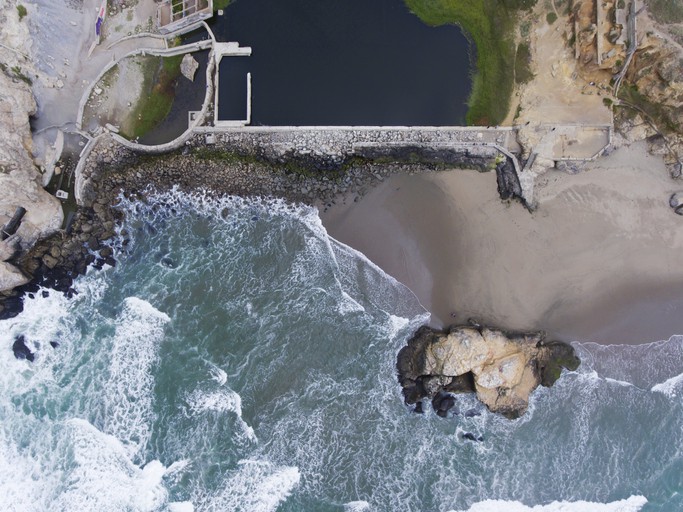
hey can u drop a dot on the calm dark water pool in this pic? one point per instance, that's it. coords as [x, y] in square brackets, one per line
[342, 62]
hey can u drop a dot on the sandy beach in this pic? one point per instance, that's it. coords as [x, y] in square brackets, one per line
[600, 260]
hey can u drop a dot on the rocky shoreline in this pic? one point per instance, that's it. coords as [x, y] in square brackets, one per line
[314, 179]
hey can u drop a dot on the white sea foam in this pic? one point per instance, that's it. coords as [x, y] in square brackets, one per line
[641, 365]
[129, 392]
[181, 506]
[357, 506]
[618, 382]
[220, 401]
[256, 486]
[43, 320]
[100, 475]
[361, 277]
[22, 481]
[217, 374]
[669, 387]
[632, 504]
[348, 305]
[395, 325]
[356, 437]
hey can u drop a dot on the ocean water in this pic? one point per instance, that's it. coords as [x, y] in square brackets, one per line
[239, 359]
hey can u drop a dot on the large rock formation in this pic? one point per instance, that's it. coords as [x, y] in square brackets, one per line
[20, 181]
[501, 368]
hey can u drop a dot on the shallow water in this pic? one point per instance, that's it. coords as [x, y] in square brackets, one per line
[238, 358]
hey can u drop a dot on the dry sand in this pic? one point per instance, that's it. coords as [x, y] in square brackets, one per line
[600, 260]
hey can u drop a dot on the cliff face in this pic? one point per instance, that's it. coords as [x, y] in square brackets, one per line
[20, 180]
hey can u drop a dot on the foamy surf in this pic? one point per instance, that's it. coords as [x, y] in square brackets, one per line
[221, 401]
[281, 332]
[256, 486]
[129, 392]
[632, 504]
[101, 476]
[670, 387]
[357, 506]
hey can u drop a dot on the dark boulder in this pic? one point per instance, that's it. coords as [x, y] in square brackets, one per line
[442, 403]
[12, 306]
[471, 437]
[21, 351]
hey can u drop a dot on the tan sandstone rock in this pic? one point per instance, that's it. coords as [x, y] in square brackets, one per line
[502, 368]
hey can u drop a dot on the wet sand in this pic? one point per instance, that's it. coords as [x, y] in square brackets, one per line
[600, 260]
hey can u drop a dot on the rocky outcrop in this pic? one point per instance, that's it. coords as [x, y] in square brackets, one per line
[20, 181]
[503, 369]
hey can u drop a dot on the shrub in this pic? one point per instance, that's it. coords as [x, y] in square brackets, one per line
[666, 11]
[22, 11]
[523, 72]
[551, 17]
[490, 25]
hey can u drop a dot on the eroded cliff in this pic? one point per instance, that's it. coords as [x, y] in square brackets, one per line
[20, 179]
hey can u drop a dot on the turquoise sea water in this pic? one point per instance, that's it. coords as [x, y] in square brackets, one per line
[237, 358]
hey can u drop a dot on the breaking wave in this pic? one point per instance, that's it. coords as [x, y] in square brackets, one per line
[237, 358]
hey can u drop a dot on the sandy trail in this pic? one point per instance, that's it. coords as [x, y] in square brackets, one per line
[600, 260]
[63, 33]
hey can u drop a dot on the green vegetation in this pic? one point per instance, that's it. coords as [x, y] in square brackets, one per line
[22, 11]
[16, 70]
[158, 93]
[666, 11]
[607, 102]
[518, 112]
[657, 113]
[220, 4]
[523, 72]
[525, 28]
[490, 25]
[551, 17]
